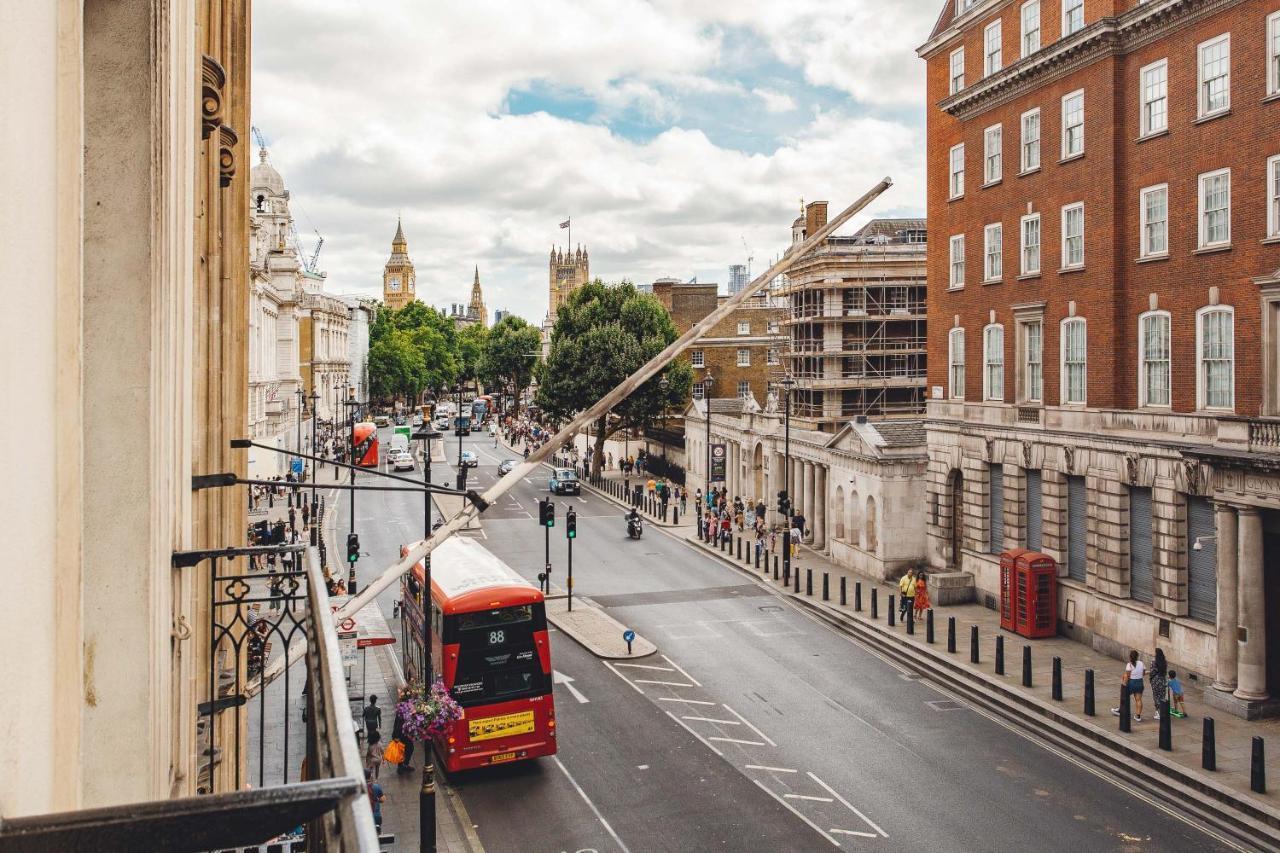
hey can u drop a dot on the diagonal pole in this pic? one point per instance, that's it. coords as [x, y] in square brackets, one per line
[469, 511]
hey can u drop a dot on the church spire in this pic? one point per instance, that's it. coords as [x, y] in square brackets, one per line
[476, 308]
[398, 242]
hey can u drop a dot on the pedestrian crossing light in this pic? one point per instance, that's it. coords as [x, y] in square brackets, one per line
[353, 547]
[570, 524]
[782, 502]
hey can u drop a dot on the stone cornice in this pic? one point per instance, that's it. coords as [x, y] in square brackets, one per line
[1104, 37]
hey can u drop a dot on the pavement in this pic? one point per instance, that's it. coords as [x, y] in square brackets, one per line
[595, 630]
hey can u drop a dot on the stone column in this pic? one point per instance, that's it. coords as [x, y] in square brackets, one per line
[810, 501]
[820, 507]
[1228, 603]
[1252, 665]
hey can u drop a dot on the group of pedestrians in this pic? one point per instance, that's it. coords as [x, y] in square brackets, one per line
[913, 594]
[1165, 685]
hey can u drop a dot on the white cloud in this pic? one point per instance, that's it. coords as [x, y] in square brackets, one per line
[371, 116]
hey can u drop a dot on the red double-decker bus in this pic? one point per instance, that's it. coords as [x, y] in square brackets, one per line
[489, 644]
[364, 445]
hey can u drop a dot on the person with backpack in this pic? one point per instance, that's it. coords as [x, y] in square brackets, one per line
[376, 799]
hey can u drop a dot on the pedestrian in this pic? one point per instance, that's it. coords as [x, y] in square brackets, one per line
[372, 716]
[906, 592]
[1134, 670]
[376, 798]
[921, 601]
[1159, 676]
[773, 541]
[1176, 708]
[373, 753]
[684, 499]
[796, 534]
[697, 499]
[761, 510]
[277, 592]
[293, 517]
[397, 733]
[306, 516]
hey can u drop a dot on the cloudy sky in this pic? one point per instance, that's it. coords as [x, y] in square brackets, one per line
[680, 135]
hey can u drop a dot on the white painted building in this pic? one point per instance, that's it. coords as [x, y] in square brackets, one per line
[362, 312]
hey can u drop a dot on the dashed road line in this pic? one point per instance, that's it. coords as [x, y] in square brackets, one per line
[796, 812]
[808, 797]
[846, 804]
[623, 677]
[737, 740]
[591, 805]
[686, 727]
[713, 720]
[686, 701]
[662, 683]
[695, 681]
[646, 666]
[852, 832]
[770, 769]
[751, 726]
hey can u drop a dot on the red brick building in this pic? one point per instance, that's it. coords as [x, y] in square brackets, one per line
[1104, 318]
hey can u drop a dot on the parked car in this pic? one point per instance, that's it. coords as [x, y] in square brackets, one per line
[564, 481]
[402, 461]
[381, 421]
[506, 466]
[469, 459]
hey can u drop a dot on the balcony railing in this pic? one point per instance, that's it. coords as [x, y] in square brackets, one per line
[301, 785]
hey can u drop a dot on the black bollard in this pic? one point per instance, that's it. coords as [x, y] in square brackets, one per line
[1026, 666]
[1257, 768]
[844, 588]
[786, 575]
[826, 587]
[775, 566]
[875, 605]
[1057, 679]
[758, 550]
[796, 578]
[973, 644]
[1088, 693]
[951, 634]
[1208, 747]
[808, 582]
[892, 611]
[928, 626]
[1166, 725]
[675, 515]
[739, 547]
[1125, 724]
[911, 620]
[857, 596]
[999, 654]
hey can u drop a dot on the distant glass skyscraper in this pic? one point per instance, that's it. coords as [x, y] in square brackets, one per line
[737, 278]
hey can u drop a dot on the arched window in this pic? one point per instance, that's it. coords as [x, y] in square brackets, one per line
[855, 519]
[1074, 342]
[993, 362]
[837, 507]
[1215, 357]
[1154, 354]
[955, 358]
[872, 536]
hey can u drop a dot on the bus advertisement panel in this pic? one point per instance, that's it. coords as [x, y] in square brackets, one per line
[364, 441]
[489, 641]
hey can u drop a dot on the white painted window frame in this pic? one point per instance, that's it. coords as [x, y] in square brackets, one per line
[1145, 250]
[1023, 245]
[989, 275]
[956, 240]
[1145, 127]
[993, 164]
[987, 364]
[1202, 100]
[1024, 161]
[1027, 46]
[955, 188]
[1202, 241]
[1066, 153]
[1143, 393]
[955, 347]
[1064, 383]
[1202, 382]
[1065, 261]
[956, 81]
[992, 59]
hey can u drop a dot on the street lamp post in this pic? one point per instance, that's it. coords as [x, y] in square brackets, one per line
[427, 793]
[664, 384]
[315, 470]
[457, 427]
[707, 382]
[302, 408]
[352, 404]
[787, 384]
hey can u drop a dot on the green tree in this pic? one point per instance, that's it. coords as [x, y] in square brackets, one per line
[511, 355]
[602, 335]
[471, 345]
[417, 349]
[394, 365]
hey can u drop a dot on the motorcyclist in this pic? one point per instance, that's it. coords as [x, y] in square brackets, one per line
[633, 521]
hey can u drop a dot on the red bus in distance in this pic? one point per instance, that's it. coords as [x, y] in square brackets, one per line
[364, 440]
[489, 644]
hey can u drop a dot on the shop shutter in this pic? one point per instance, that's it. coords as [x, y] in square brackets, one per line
[1034, 520]
[995, 501]
[1202, 565]
[1140, 544]
[1077, 528]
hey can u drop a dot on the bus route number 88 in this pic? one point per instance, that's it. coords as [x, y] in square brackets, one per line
[497, 638]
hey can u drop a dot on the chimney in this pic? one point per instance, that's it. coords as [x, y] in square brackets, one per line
[815, 216]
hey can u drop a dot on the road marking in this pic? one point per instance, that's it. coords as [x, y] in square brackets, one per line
[737, 740]
[795, 812]
[642, 766]
[807, 797]
[685, 726]
[846, 804]
[688, 701]
[682, 672]
[559, 677]
[646, 666]
[623, 677]
[713, 720]
[853, 832]
[663, 683]
[587, 800]
[770, 769]
[750, 726]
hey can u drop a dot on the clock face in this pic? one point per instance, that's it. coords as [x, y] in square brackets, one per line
[393, 284]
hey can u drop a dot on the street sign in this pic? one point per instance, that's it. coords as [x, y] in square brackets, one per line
[295, 465]
[718, 456]
[628, 635]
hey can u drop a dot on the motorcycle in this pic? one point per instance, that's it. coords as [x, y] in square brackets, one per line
[634, 527]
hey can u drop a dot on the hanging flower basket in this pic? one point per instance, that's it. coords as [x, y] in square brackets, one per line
[427, 713]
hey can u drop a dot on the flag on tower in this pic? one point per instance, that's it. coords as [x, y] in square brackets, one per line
[564, 224]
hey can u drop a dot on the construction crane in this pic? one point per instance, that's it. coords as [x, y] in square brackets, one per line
[750, 258]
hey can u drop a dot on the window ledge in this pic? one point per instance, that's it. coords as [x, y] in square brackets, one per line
[1027, 276]
[955, 287]
[1151, 259]
[1274, 96]
[1071, 157]
[955, 197]
[1155, 134]
[1211, 116]
[993, 280]
[994, 183]
[1025, 172]
[1212, 250]
[1069, 270]
[1270, 241]
[1216, 411]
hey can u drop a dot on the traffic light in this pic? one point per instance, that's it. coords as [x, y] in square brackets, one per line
[546, 513]
[783, 503]
[353, 547]
[570, 524]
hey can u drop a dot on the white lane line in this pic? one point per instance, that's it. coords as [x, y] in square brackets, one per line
[682, 672]
[770, 769]
[853, 832]
[646, 666]
[686, 701]
[623, 677]
[736, 740]
[587, 800]
[685, 726]
[807, 797]
[713, 720]
[663, 683]
[869, 822]
[795, 812]
[750, 726]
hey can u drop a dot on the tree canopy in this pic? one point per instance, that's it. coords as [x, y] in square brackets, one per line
[411, 349]
[602, 335]
[511, 354]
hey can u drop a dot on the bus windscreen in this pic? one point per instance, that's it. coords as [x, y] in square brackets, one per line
[497, 655]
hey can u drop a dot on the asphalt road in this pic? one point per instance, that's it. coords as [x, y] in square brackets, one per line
[754, 727]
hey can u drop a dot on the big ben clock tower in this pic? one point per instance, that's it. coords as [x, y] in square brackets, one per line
[398, 280]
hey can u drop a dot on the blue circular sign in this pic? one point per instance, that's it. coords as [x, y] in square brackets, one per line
[628, 635]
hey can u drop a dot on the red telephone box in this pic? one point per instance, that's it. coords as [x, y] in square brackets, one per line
[1028, 593]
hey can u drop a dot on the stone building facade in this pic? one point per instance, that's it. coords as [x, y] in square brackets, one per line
[860, 489]
[325, 356]
[1104, 299]
[856, 321]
